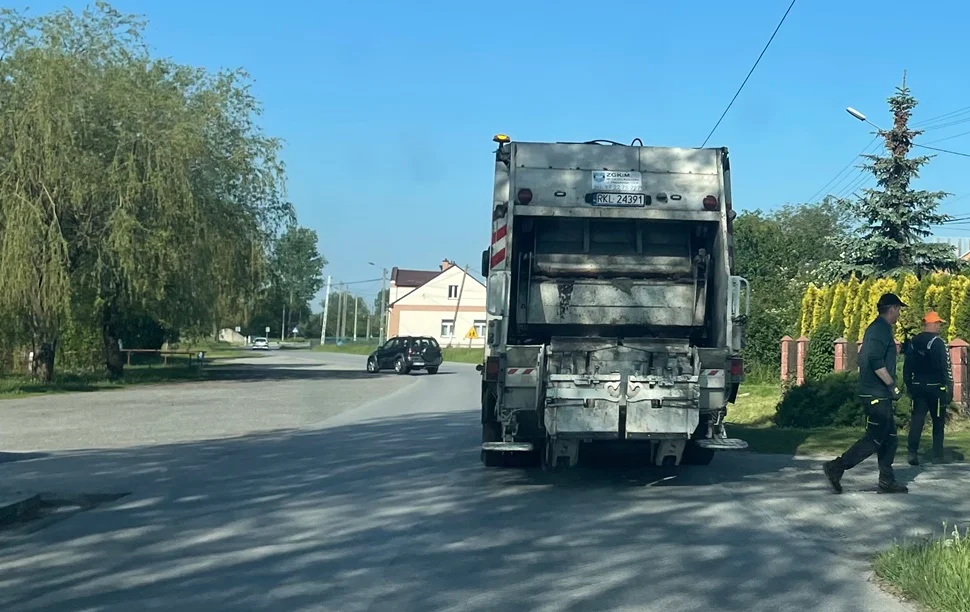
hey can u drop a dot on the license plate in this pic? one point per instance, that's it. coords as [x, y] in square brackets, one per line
[618, 199]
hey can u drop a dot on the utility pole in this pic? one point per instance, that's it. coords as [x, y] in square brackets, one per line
[454, 327]
[343, 317]
[326, 307]
[368, 326]
[283, 326]
[340, 311]
[382, 333]
[356, 303]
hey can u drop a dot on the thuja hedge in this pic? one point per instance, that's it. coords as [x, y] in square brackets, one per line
[848, 307]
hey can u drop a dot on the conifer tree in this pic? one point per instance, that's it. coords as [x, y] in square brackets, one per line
[894, 218]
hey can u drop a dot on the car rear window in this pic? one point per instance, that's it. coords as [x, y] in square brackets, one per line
[426, 342]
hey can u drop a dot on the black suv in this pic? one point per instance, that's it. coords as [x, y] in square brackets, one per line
[406, 353]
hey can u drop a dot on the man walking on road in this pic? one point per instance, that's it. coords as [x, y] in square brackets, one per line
[877, 391]
[929, 381]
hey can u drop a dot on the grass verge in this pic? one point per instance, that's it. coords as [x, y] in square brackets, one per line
[936, 573]
[750, 420]
[146, 369]
[451, 354]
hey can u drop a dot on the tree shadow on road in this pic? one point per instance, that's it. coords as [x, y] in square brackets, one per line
[398, 514]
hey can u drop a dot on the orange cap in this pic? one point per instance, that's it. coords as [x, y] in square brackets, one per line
[933, 317]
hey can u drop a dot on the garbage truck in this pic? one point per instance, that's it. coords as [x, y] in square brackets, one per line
[613, 311]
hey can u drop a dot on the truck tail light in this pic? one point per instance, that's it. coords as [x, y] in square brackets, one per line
[524, 196]
[737, 367]
[491, 368]
[711, 203]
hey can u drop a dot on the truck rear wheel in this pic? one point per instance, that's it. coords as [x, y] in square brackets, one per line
[695, 455]
[492, 432]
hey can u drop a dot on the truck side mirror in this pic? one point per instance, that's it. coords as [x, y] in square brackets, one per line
[485, 263]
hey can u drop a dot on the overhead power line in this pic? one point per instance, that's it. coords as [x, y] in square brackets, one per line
[361, 282]
[750, 72]
[840, 173]
[948, 138]
[942, 150]
[947, 116]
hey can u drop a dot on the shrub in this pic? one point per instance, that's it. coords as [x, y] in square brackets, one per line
[817, 402]
[820, 358]
[832, 401]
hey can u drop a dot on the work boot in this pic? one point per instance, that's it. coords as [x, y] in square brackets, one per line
[913, 458]
[834, 472]
[892, 487]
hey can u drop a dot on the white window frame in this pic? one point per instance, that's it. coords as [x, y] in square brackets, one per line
[481, 327]
[450, 323]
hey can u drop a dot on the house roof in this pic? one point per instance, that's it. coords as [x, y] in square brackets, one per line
[404, 278]
[412, 278]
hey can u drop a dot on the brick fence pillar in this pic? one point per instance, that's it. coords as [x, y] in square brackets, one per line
[961, 384]
[787, 359]
[801, 352]
[841, 356]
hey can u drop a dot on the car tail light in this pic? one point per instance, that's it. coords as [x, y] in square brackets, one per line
[524, 196]
[737, 367]
[711, 203]
[491, 368]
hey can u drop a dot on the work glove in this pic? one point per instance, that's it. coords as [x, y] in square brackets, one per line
[896, 393]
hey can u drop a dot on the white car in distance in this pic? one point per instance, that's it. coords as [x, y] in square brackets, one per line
[260, 344]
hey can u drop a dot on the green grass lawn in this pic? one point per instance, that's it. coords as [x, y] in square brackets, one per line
[145, 369]
[935, 573]
[750, 419]
[449, 353]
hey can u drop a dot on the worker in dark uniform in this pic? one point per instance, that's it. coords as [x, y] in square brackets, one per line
[877, 391]
[929, 381]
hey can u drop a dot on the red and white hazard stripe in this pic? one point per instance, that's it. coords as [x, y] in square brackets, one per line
[499, 237]
[519, 371]
[521, 377]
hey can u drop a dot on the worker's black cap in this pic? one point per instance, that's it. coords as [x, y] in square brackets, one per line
[890, 299]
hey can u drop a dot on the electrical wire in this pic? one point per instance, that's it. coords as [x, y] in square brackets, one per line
[942, 150]
[949, 137]
[862, 180]
[361, 282]
[750, 72]
[948, 115]
[835, 178]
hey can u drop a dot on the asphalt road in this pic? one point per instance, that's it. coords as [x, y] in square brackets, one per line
[380, 503]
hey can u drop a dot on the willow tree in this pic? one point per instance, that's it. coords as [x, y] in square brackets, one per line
[129, 185]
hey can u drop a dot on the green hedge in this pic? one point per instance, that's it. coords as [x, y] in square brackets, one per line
[830, 402]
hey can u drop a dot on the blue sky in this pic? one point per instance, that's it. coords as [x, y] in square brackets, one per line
[388, 108]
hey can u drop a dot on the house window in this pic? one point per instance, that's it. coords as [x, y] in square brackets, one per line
[480, 328]
[452, 292]
[447, 328]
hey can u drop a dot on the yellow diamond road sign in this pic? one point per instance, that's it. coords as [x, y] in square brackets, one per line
[472, 334]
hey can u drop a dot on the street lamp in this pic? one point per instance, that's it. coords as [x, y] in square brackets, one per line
[380, 333]
[863, 118]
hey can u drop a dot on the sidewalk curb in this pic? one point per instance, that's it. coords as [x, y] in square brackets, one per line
[11, 512]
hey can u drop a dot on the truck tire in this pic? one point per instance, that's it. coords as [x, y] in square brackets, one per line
[493, 459]
[492, 432]
[695, 455]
